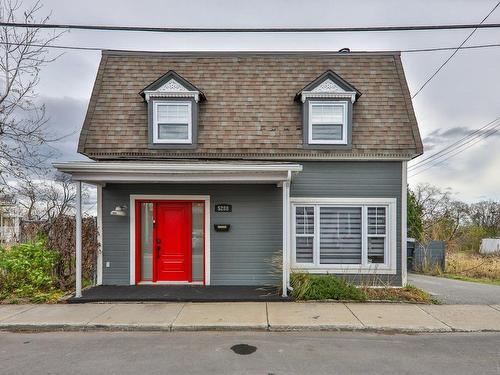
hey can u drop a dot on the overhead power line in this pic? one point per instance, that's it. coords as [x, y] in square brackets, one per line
[251, 30]
[454, 53]
[487, 135]
[411, 50]
[464, 140]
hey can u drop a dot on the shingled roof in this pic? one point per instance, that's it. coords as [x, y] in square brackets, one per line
[249, 112]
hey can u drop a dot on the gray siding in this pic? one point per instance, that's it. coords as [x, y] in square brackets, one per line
[352, 180]
[241, 256]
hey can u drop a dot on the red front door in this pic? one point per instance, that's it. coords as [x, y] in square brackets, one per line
[172, 241]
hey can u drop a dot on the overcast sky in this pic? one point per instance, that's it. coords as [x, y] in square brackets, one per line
[464, 96]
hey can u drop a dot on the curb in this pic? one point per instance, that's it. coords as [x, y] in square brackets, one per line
[220, 328]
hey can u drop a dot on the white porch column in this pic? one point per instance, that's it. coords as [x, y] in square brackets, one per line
[286, 233]
[78, 239]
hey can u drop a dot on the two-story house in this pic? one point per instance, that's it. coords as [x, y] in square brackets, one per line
[209, 165]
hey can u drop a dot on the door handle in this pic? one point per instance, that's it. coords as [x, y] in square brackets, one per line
[158, 247]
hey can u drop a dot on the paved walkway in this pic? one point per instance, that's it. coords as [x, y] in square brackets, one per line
[449, 291]
[273, 316]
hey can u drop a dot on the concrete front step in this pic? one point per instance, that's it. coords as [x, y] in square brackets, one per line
[245, 316]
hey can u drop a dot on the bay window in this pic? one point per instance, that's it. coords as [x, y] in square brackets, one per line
[341, 234]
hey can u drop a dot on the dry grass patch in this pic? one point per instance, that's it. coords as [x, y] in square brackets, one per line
[473, 267]
[408, 293]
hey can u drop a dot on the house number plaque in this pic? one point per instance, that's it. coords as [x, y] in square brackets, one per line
[223, 207]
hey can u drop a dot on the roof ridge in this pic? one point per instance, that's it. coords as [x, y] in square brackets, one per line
[249, 53]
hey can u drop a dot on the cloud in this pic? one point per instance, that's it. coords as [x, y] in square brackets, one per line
[443, 137]
[66, 117]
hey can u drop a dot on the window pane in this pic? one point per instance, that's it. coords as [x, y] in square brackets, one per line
[340, 235]
[197, 241]
[327, 132]
[173, 131]
[376, 220]
[304, 220]
[146, 241]
[304, 249]
[173, 113]
[376, 247]
[327, 113]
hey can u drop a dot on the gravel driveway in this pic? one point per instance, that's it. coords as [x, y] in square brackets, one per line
[452, 292]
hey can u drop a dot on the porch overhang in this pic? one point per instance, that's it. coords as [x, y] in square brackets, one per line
[100, 173]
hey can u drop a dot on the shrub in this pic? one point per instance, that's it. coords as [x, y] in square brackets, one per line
[317, 287]
[27, 269]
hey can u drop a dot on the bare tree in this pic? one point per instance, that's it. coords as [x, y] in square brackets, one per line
[46, 199]
[23, 52]
[29, 193]
[60, 197]
[486, 214]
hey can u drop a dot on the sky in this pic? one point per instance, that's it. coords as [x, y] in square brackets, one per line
[462, 97]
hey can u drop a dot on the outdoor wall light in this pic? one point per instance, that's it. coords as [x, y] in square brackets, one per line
[119, 211]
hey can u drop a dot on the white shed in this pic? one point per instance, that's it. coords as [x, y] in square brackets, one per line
[490, 246]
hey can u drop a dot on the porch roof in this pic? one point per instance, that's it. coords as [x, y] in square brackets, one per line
[100, 173]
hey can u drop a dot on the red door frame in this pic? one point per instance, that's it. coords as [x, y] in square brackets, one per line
[138, 234]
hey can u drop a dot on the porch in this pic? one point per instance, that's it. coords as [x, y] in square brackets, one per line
[135, 203]
[179, 293]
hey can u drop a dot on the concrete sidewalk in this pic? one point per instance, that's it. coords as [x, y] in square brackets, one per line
[272, 316]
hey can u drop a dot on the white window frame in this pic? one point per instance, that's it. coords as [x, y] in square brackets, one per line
[376, 235]
[389, 267]
[156, 138]
[345, 124]
[304, 235]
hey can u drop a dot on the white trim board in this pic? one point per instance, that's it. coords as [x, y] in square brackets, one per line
[404, 223]
[134, 197]
[99, 235]
[156, 172]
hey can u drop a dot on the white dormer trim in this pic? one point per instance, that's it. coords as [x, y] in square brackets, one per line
[172, 89]
[328, 90]
[328, 86]
[171, 86]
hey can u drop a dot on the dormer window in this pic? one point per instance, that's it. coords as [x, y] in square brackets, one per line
[328, 122]
[172, 112]
[172, 122]
[327, 112]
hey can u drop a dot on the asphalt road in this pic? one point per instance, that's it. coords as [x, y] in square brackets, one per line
[270, 353]
[456, 292]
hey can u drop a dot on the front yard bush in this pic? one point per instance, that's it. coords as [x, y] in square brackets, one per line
[27, 271]
[329, 287]
[318, 287]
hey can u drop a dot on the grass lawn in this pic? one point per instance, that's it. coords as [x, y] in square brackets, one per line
[472, 279]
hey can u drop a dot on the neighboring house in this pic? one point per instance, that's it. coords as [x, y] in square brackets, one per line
[209, 165]
[10, 220]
